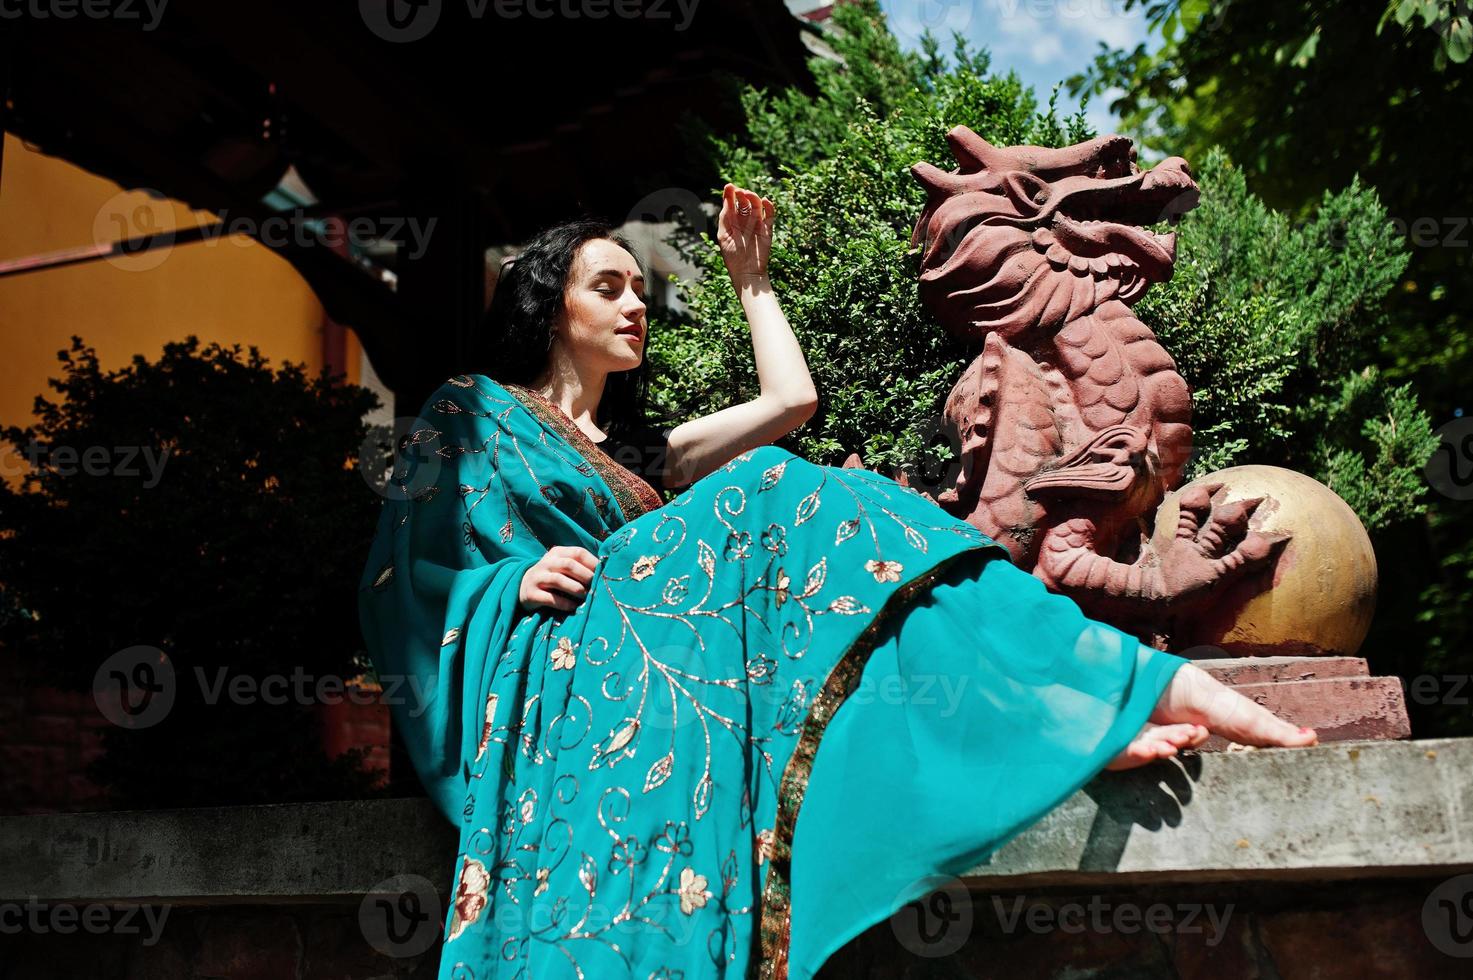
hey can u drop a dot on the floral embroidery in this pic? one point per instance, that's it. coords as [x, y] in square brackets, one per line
[738, 545]
[842, 680]
[761, 668]
[669, 705]
[563, 655]
[486, 728]
[627, 853]
[634, 494]
[847, 605]
[384, 576]
[884, 571]
[470, 897]
[693, 893]
[676, 590]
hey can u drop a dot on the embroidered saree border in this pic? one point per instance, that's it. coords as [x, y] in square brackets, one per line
[635, 496]
[776, 927]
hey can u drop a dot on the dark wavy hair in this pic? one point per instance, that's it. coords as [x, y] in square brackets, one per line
[512, 345]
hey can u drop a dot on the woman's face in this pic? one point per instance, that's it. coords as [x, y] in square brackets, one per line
[602, 322]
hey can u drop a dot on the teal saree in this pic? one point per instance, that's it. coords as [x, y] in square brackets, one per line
[782, 639]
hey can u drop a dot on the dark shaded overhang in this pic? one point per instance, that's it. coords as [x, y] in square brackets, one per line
[496, 125]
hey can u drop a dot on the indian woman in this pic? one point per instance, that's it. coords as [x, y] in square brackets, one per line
[722, 735]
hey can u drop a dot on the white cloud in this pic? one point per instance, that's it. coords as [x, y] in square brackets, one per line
[1043, 40]
[1045, 48]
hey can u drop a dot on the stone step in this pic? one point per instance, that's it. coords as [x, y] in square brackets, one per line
[1235, 671]
[1339, 708]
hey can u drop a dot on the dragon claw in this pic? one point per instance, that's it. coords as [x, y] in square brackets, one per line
[1257, 546]
[1234, 516]
[1215, 543]
[1196, 498]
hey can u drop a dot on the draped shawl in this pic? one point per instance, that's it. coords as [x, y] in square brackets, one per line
[627, 777]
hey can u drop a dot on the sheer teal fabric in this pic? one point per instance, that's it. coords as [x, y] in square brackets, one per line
[628, 778]
[992, 701]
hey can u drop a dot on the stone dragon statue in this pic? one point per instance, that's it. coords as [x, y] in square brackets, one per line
[1073, 422]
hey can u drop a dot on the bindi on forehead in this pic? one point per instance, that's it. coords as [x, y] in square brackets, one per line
[632, 274]
[602, 258]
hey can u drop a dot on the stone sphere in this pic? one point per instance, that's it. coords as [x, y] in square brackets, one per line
[1323, 591]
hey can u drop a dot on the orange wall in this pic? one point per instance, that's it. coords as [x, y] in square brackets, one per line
[228, 289]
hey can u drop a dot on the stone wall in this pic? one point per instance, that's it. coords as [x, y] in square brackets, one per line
[237, 943]
[1341, 862]
[48, 738]
[1352, 930]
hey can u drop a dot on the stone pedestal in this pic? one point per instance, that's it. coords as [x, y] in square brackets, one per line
[1336, 696]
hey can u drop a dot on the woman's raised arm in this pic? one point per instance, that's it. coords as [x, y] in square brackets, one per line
[787, 398]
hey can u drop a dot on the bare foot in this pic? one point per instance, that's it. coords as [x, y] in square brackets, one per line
[1158, 742]
[1196, 697]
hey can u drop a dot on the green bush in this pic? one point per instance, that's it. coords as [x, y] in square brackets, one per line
[240, 553]
[836, 164]
[1269, 322]
[1272, 324]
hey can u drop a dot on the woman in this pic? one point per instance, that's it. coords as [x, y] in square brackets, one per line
[627, 706]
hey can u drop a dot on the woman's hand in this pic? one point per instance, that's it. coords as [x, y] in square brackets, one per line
[744, 233]
[1194, 705]
[565, 571]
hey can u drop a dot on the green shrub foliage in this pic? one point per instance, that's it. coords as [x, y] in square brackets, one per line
[238, 557]
[1268, 320]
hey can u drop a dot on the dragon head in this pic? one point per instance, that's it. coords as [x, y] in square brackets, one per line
[1025, 238]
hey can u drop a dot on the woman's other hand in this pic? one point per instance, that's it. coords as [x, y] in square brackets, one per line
[744, 233]
[560, 579]
[1194, 705]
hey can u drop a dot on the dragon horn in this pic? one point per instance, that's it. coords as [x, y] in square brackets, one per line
[972, 152]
